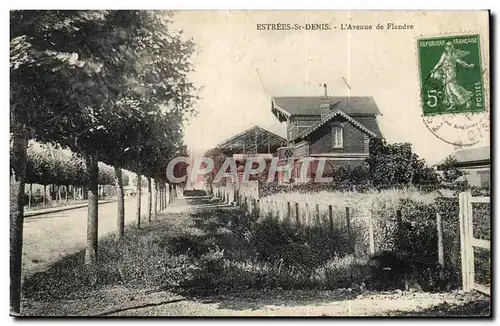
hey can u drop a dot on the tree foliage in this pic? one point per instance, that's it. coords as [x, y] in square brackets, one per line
[394, 165]
[450, 171]
[94, 77]
[110, 85]
[218, 157]
[43, 168]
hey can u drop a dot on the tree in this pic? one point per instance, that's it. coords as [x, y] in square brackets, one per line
[395, 165]
[450, 171]
[75, 76]
[218, 157]
[161, 93]
[452, 177]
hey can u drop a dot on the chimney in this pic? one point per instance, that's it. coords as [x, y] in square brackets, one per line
[324, 110]
[326, 89]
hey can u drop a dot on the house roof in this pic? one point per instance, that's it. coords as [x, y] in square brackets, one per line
[335, 113]
[253, 140]
[369, 123]
[470, 155]
[310, 105]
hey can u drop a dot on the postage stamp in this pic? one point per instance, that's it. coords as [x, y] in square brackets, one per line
[451, 78]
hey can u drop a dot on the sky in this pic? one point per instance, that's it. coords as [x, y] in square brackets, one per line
[240, 68]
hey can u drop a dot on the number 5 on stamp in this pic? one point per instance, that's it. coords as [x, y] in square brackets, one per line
[451, 79]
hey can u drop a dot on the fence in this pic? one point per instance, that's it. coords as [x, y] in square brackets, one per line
[356, 223]
[238, 193]
[459, 242]
[469, 242]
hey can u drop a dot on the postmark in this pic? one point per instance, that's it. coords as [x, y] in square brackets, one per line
[453, 88]
[459, 129]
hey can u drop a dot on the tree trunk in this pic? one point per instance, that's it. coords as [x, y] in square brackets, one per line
[156, 199]
[139, 187]
[85, 192]
[150, 200]
[66, 189]
[44, 195]
[74, 192]
[58, 194]
[160, 197]
[164, 196]
[18, 164]
[91, 160]
[30, 195]
[170, 193]
[120, 218]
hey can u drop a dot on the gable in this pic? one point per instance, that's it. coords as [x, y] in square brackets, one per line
[322, 140]
[344, 116]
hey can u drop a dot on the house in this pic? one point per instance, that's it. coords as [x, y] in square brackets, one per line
[338, 129]
[475, 162]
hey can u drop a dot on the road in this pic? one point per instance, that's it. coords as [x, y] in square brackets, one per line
[49, 237]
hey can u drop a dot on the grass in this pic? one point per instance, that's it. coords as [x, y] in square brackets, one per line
[208, 253]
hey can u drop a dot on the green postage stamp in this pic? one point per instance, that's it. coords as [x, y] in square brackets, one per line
[451, 79]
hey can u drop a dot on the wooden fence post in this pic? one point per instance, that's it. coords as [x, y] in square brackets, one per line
[288, 212]
[308, 215]
[318, 222]
[297, 213]
[465, 236]
[370, 232]
[277, 211]
[330, 216]
[350, 239]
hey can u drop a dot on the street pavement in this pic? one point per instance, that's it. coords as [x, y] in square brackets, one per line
[49, 237]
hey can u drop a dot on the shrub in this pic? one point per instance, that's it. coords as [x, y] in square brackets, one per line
[395, 165]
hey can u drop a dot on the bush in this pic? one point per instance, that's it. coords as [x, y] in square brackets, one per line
[395, 165]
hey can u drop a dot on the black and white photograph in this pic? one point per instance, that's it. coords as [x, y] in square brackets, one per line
[250, 163]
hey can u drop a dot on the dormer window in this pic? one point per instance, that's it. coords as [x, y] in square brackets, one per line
[338, 137]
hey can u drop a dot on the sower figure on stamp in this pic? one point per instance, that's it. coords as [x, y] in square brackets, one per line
[446, 71]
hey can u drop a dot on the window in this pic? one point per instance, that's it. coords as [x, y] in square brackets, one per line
[338, 137]
[292, 130]
[484, 178]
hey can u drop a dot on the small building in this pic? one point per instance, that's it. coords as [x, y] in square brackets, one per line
[338, 129]
[253, 141]
[475, 162]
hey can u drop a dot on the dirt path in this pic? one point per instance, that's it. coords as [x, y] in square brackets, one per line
[190, 205]
[121, 301]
